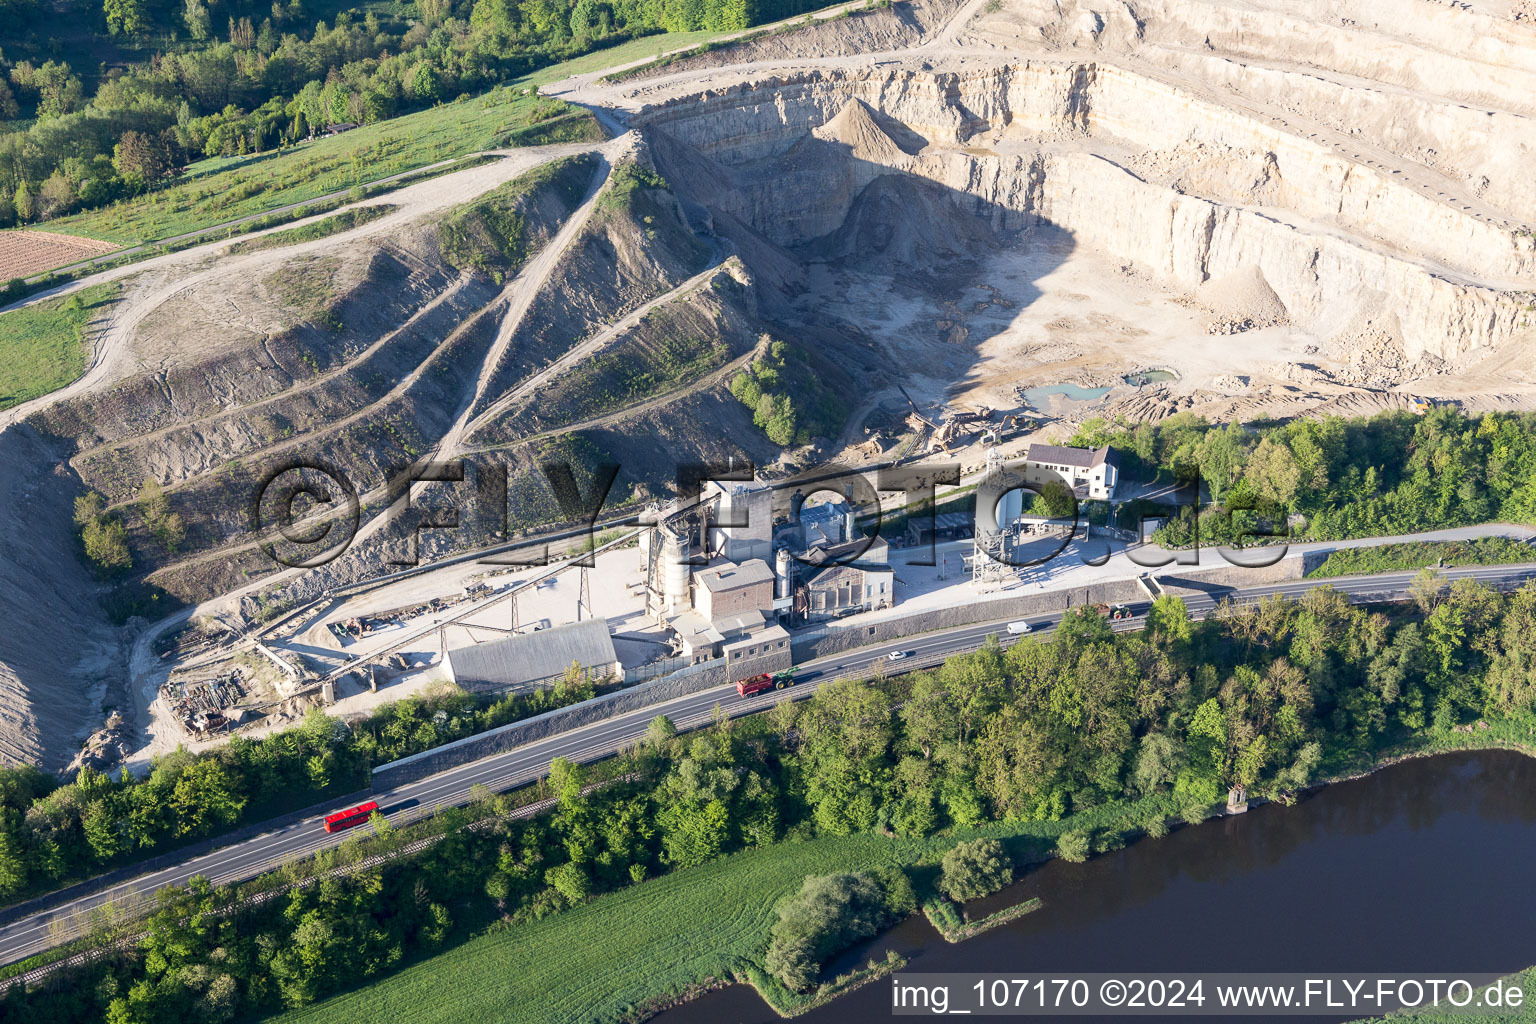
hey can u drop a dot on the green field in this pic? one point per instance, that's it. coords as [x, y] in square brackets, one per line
[216, 191]
[226, 188]
[1526, 1011]
[630, 948]
[644, 48]
[41, 346]
[344, 221]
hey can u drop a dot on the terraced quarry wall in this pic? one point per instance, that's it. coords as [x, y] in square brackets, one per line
[1183, 187]
[1299, 206]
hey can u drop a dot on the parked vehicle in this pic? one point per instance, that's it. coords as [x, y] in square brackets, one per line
[350, 817]
[1019, 627]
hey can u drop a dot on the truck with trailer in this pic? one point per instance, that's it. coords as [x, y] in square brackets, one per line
[763, 683]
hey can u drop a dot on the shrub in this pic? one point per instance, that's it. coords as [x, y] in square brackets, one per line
[829, 913]
[1074, 846]
[975, 869]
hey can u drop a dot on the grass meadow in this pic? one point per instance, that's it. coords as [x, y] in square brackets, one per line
[645, 943]
[42, 346]
[220, 189]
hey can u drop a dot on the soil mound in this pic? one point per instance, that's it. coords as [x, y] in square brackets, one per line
[901, 222]
[1241, 301]
[855, 127]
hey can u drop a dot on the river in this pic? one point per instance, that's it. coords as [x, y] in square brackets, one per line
[1423, 866]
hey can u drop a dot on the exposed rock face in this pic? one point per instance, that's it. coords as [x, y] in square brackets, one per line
[1298, 206]
[1182, 186]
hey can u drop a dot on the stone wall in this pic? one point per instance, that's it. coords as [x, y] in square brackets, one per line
[497, 741]
[807, 646]
[836, 639]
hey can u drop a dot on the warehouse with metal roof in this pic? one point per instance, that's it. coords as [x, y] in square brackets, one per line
[539, 658]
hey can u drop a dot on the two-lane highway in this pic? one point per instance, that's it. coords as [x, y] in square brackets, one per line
[524, 764]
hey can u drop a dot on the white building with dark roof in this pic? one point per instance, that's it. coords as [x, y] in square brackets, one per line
[1088, 472]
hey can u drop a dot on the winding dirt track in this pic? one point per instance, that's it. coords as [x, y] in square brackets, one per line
[149, 284]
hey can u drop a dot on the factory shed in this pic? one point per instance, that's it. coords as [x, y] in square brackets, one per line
[529, 660]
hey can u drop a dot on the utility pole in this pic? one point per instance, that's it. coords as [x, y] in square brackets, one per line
[584, 597]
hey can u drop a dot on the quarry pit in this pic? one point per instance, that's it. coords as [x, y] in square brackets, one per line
[1288, 207]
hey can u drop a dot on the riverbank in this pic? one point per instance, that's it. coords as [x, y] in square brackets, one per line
[1407, 870]
[950, 922]
[1526, 979]
[713, 921]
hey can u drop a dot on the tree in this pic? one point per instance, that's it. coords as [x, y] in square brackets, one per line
[660, 730]
[1074, 846]
[58, 89]
[1274, 472]
[1168, 621]
[128, 17]
[22, 200]
[1054, 501]
[1157, 762]
[106, 544]
[828, 913]
[162, 522]
[566, 780]
[975, 869]
[1426, 590]
[56, 196]
[574, 683]
[143, 156]
[422, 82]
[570, 881]
[1220, 456]
[13, 867]
[197, 19]
[100, 829]
[205, 799]
[1207, 746]
[693, 832]
[783, 716]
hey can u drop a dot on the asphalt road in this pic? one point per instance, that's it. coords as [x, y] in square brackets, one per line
[30, 935]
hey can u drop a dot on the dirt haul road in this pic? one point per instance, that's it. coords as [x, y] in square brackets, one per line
[1293, 208]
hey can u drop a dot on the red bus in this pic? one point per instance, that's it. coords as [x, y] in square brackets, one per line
[346, 819]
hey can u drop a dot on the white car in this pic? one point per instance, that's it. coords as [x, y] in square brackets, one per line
[895, 655]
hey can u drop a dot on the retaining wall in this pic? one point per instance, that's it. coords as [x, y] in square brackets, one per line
[472, 748]
[806, 646]
[836, 639]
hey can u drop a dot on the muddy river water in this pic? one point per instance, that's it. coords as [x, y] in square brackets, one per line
[1425, 866]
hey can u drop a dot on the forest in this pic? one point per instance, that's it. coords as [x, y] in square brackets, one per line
[197, 79]
[1157, 723]
[1334, 478]
[52, 834]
